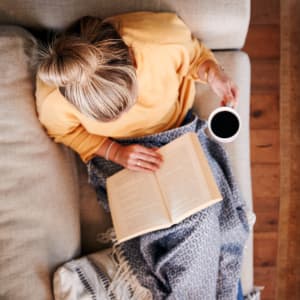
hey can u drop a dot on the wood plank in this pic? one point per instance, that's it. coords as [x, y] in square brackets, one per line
[295, 113]
[266, 210]
[265, 75]
[265, 12]
[266, 204]
[295, 170]
[264, 110]
[266, 221]
[265, 249]
[264, 145]
[263, 42]
[288, 275]
[265, 180]
[264, 276]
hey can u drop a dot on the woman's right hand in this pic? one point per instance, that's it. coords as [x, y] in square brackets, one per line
[137, 158]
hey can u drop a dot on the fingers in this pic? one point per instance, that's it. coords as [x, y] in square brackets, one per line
[156, 160]
[140, 158]
[225, 88]
[231, 94]
[143, 166]
[144, 163]
[235, 91]
[148, 151]
[146, 159]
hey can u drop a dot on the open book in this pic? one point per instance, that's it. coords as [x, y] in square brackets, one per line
[142, 202]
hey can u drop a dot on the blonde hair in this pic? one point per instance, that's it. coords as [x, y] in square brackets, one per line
[93, 69]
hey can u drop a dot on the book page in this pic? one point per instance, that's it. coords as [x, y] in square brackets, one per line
[135, 203]
[183, 180]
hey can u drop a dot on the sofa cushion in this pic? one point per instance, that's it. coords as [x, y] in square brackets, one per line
[93, 218]
[221, 24]
[39, 214]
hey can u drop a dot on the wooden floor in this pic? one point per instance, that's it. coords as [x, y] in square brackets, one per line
[288, 258]
[263, 48]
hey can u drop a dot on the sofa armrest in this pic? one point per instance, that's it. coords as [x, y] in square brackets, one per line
[219, 24]
[237, 65]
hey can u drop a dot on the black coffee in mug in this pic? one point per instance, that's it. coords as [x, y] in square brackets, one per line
[225, 124]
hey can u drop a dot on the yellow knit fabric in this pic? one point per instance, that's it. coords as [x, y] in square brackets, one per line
[167, 58]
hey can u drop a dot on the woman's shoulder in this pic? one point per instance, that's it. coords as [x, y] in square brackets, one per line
[42, 91]
[54, 111]
[151, 27]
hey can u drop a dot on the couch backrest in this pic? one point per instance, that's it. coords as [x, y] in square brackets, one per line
[220, 24]
[39, 195]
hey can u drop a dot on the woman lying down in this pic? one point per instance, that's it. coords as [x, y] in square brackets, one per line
[115, 91]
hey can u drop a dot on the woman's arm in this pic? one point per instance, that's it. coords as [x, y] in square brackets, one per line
[77, 138]
[134, 157]
[219, 82]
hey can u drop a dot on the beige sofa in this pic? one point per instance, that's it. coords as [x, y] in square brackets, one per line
[48, 211]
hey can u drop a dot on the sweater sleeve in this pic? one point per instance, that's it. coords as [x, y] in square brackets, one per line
[60, 121]
[199, 54]
[84, 143]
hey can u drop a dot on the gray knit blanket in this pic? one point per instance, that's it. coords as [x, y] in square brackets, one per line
[199, 258]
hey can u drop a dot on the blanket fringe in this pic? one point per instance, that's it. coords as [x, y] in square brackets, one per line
[109, 236]
[124, 284]
[125, 279]
[254, 294]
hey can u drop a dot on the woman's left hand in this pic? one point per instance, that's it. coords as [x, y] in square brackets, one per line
[223, 86]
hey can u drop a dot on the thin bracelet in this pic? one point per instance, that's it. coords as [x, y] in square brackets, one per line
[116, 154]
[106, 156]
[206, 76]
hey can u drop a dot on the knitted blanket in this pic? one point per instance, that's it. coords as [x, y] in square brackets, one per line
[199, 258]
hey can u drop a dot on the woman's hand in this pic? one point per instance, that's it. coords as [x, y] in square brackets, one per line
[137, 158]
[220, 83]
[223, 86]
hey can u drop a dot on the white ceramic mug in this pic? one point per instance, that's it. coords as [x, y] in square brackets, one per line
[224, 124]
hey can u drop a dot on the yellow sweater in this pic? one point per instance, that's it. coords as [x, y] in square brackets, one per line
[167, 58]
